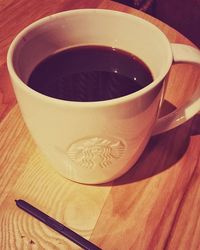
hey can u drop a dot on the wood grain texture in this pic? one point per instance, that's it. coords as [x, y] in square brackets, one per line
[158, 193]
[154, 206]
[29, 176]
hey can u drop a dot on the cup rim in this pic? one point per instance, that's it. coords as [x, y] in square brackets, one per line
[109, 102]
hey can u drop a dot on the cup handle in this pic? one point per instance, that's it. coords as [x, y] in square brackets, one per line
[181, 53]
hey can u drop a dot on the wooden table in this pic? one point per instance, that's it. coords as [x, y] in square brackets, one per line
[156, 205]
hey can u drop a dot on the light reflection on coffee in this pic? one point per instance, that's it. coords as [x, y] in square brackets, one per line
[90, 73]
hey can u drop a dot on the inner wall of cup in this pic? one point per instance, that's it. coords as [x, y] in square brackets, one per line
[87, 28]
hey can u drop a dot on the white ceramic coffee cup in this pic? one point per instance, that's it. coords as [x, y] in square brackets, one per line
[96, 142]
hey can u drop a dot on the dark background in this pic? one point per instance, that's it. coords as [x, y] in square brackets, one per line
[183, 15]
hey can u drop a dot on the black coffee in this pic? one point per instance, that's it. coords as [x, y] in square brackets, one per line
[90, 73]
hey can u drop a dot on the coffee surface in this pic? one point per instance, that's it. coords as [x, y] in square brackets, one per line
[90, 73]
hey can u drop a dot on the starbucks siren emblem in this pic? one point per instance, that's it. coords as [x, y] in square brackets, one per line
[96, 151]
[96, 90]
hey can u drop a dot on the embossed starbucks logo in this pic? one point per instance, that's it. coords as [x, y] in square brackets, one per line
[96, 151]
